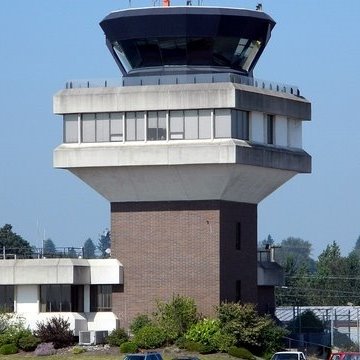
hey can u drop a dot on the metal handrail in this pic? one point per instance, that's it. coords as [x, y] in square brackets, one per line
[184, 79]
[41, 253]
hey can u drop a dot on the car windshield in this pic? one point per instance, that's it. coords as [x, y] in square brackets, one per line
[289, 356]
[135, 357]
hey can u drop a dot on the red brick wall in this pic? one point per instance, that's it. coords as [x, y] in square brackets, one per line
[170, 248]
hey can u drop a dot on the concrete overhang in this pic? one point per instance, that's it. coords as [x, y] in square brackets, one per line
[180, 97]
[219, 151]
[60, 271]
[269, 273]
[228, 169]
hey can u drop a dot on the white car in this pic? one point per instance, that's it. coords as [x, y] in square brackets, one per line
[289, 355]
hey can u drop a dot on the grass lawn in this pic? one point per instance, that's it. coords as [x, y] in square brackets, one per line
[107, 355]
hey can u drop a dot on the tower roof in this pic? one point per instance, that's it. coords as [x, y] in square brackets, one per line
[187, 39]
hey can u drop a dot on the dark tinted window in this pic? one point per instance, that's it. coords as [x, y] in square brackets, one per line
[61, 298]
[232, 52]
[7, 298]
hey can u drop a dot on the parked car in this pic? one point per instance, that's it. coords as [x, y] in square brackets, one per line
[345, 355]
[144, 356]
[289, 355]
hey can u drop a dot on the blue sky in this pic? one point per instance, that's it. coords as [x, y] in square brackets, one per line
[44, 43]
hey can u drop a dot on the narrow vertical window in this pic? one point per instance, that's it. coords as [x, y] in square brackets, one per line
[6, 298]
[135, 122]
[204, 124]
[191, 118]
[270, 129]
[242, 125]
[222, 123]
[238, 236]
[177, 125]
[238, 291]
[70, 128]
[102, 127]
[88, 128]
[156, 125]
[116, 127]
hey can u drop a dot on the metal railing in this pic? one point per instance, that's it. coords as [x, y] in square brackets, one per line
[41, 253]
[185, 79]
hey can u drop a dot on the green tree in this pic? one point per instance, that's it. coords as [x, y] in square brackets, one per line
[297, 248]
[104, 244]
[13, 242]
[176, 316]
[248, 327]
[306, 322]
[89, 249]
[351, 285]
[49, 247]
[330, 277]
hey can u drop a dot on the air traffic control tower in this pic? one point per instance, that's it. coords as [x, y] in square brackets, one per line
[184, 148]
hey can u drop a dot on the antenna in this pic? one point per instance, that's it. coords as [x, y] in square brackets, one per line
[129, 3]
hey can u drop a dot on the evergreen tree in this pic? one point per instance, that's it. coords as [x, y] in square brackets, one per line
[89, 249]
[266, 242]
[104, 244]
[330, 277]
[72, 253]
[49, 248]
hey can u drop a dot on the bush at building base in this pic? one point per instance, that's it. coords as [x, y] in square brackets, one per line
[150, 337]
[117, 337]
[55, 330]
[128, 347]
[28, 342]
[8, 349]
[241, 353]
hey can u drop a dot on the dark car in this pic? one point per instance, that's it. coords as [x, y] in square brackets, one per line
[144, 356]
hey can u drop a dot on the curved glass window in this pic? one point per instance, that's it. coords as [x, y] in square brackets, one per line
[232, 52]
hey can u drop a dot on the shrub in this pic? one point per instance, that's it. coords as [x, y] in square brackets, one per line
[198, 347]
[222, 342]
[5, 338]
[241, 353]
[181, 342]
[150, 337]
[55, 330]
[28, 342]
[45, 349]
[17, 334]
[176, 316]
[139, 322]
[243, 321]
[5, 320]
[8, 349]
[204, 332]
[128, 347]
[78, 350]
[117, 337]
